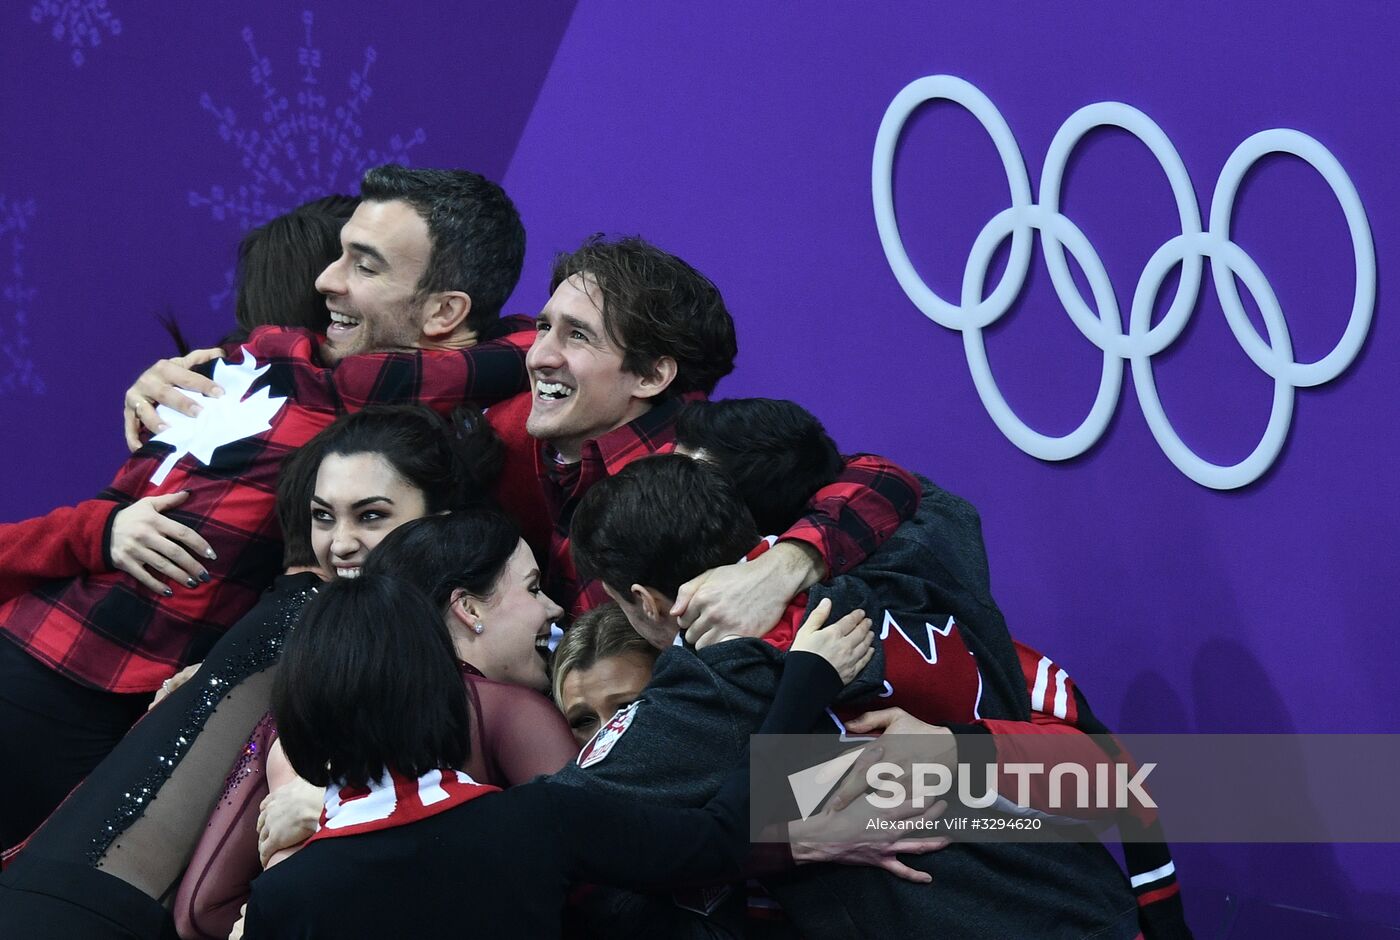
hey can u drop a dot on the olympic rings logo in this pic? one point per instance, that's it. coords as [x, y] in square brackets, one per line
[1101, 322]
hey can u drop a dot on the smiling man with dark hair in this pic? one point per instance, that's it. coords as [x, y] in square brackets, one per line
[428, 258]
[629, 333]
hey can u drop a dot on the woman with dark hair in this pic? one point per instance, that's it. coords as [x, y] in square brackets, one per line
[478, 571]
[275, 286]
[482, 582]
[375, 715]
[182, 542]
[273, 259]
[107, 858]
[277, 266]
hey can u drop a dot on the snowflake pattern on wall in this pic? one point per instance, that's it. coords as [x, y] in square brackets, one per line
[81, 22]
[301, 149]
[17, 372]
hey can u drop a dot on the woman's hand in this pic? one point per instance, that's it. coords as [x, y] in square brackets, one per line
[145, 543]
[287, 818]
[160, 385]
[173, 683]
[848, 644]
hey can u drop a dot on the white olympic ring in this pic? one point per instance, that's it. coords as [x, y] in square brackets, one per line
[1104, 328]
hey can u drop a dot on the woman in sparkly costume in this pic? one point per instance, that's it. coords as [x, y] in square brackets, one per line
[108, 860]
[411, 847]
[482, 580]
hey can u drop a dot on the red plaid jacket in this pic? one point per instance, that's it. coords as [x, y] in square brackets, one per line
[65, 543]
[105, 631]
[845, 522]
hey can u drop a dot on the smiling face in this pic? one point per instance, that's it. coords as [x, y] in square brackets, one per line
[514, 622]
[372, 288]
[591, 696]
[580, 390]
[358, 499]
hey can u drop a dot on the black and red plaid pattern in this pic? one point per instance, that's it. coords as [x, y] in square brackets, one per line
[65, 543]
[106, 631]
[845, 521]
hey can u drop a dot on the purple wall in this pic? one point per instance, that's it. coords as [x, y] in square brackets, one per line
[743, 140]
[124, 188]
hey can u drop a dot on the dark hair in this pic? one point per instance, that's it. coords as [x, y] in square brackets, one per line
[296, 483]
[278, 263]
[601, 633]
[368, 680]
[478, 242]
[654, 305]
[451, 463]
[775, 452]
[439, 554]
[659, 522]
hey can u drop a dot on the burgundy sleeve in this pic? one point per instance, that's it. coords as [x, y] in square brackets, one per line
[853, 516]
[524, 732]
[68, 542]
[218, 880]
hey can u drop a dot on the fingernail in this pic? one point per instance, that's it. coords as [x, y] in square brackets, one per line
[217, 392]
[191, 582]
[209, 553]
[162, 427]
[169, 593]
[204, 576]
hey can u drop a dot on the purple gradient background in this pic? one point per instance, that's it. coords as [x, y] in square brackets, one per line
[740, 136]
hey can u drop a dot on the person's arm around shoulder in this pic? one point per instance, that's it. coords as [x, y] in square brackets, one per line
[161, 385]
[845, 522]
[614, 840]
[290, 812]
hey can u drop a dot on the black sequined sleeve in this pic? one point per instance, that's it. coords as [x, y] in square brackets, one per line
[142, 810]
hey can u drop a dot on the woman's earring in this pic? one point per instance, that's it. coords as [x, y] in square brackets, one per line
[478, 627]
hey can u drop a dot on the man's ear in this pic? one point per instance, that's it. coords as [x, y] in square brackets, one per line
[655, 608]
[663, 373]
[445, 313]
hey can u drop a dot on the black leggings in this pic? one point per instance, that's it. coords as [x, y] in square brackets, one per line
[58, 899]
[53, 731]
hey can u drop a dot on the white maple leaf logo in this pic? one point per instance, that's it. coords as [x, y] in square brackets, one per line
[222, 420]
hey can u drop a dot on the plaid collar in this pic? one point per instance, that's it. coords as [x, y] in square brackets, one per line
[608, 453]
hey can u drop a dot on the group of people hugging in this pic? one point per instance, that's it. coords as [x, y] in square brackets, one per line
[406, 617]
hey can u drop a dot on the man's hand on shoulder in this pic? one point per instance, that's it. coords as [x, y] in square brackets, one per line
[160, 385]
[747, 599]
